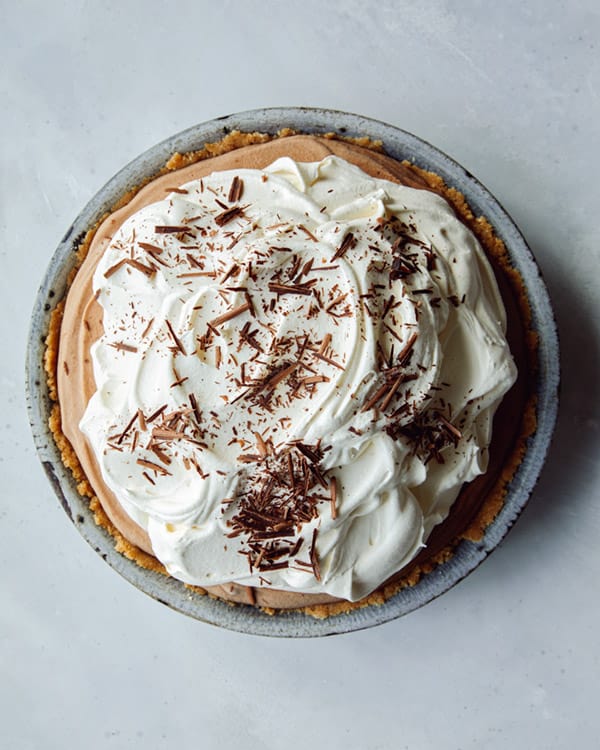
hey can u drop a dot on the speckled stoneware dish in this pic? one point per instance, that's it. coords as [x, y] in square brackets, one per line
[400, 145]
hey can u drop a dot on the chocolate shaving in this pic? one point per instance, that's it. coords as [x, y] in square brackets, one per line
[234, 312]
[161, 455]
[281, 375]
[311, 379]
[178, 343]
[325, 343]
[115, 268]
[307, 232]
[386, 401]
[290, 288]
[249, 458]
[179, 381]
[124, 347]
[388, 305]
[379, 394]
[347, 243]
[151, 465]
[276, 566]
[152, 249]
[148, 271]
[236, 190]
[401, 268]
[333, 497]
[391, 330]
[406, 351]
[336, 301]
[314, 560]
[164, 433]
[454, 431]
[194, 274]
[234, 268]
[430, 256]
[261, 445]
[156, 414]
[327, 359]
[146, 330]
[194, 405]
[228, 215]
[126, 430]
[162, 229]
[312, 455]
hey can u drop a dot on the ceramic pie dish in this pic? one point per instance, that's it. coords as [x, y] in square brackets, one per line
[466, 554]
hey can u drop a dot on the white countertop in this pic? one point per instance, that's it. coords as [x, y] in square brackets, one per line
[509, 657]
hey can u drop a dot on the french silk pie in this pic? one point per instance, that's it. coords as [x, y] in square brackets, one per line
[292, 372]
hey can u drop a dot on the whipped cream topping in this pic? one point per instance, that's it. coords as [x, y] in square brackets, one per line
[298, 372]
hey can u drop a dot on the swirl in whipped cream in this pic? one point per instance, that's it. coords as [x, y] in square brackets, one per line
[298, 371]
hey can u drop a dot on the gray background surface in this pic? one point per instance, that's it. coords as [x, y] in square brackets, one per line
[509, 658]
